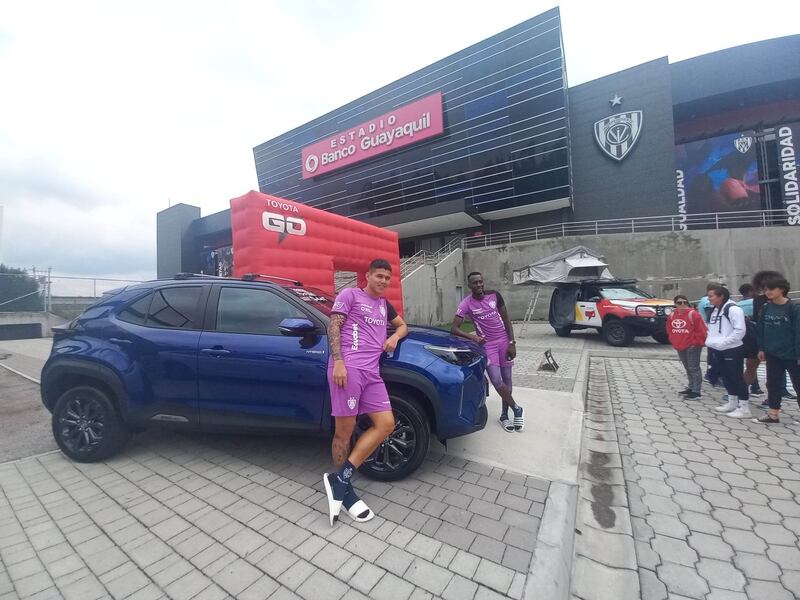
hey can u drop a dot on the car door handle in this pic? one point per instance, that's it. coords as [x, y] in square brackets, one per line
[120, 341]
[215, 351]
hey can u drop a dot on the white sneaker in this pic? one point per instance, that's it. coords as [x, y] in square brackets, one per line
[730, 405]
[743, 411]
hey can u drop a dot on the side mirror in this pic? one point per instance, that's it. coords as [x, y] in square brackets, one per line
[296, 327]
[595, 299]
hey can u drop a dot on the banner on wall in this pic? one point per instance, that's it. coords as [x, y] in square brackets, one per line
[718, 174]
[788, 146]
[218, 261]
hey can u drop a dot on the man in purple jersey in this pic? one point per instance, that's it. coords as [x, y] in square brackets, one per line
[357, 337]
[493, 330]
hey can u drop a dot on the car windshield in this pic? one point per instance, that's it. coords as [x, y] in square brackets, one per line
[316, 298]
[624, 294]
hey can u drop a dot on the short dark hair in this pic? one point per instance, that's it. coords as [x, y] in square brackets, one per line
[721, 290]
[380, 263]
[745, 288]
[679, 297]
[473, 273]
[712, 285]
[758, 278]
[777, 281]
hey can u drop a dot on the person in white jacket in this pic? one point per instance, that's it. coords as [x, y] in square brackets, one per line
[726, 331]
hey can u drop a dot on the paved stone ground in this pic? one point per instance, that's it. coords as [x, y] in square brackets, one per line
[216, 517]
[539, 337]
[714, 501]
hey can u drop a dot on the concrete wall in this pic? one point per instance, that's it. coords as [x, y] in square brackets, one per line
[431, 293]
[664, 263]
[47, 320]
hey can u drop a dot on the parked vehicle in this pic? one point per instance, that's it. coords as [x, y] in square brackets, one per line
[250, 355]
[616, 308]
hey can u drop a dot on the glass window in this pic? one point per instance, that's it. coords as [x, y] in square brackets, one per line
[243, 310]
[136, 312]
[623, 294]
[175, 308]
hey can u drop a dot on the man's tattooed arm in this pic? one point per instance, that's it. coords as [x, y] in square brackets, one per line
[335, 335]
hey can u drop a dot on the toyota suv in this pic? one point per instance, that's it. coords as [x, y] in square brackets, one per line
[616, 308]
[207, 353]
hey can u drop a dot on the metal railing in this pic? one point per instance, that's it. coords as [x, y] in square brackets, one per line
[725, 220]
[426, 257]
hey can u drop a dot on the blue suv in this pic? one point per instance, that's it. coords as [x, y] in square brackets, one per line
[206, 353]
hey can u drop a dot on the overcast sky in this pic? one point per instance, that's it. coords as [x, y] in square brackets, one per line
[109, 111]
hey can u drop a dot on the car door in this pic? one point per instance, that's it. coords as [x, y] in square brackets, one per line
[586, 309]
[158, 334]
[250, 375]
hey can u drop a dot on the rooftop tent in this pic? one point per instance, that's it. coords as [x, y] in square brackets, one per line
[570, 266]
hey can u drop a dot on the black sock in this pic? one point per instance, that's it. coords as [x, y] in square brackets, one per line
[341, 480]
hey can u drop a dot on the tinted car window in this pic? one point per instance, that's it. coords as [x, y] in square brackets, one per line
[243, 310]
[136, 313]
[175, 308]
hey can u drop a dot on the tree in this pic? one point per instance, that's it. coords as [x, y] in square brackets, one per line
[18, 291]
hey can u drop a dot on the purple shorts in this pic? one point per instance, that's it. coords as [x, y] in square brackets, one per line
[497, 353]
[364, 393]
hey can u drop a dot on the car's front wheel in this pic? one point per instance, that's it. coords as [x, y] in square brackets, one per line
[87, 426]
[563, 331]
[403, 451]
[616, 333]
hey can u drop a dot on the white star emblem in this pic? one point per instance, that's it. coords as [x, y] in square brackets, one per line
[616, 100]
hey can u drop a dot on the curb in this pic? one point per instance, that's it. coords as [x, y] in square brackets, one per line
[550, 572]
[549, 575]
[28, 377]
[605, 564]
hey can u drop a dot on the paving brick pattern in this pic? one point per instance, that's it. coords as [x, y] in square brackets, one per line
[714, 501]
[212, 517]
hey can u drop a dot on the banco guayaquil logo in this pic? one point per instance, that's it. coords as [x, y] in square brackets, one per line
[617, 135]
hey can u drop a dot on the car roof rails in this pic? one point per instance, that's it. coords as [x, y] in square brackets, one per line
[197, 276]
[255, 276]
[607, 281]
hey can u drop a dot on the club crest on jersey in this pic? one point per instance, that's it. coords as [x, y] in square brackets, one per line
[351, 402]
[492, 303]
[383, 311]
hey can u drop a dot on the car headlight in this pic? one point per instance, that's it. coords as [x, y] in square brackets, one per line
[453, 354]
[645, 311]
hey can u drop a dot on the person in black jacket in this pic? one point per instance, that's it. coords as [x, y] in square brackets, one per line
[758, 304]
[779, 343]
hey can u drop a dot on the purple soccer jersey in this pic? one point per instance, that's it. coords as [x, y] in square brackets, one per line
[485, 313]
[364, 327]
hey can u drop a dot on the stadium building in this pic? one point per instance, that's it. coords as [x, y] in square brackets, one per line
[492, 140]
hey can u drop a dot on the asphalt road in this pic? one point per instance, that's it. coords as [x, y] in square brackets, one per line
[24, 422]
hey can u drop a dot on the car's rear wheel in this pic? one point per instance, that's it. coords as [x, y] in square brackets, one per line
[403, 451]
[563, 331]
[87, 426]
[616, 333]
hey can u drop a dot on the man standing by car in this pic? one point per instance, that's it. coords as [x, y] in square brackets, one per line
[357, 337]
[488, 312]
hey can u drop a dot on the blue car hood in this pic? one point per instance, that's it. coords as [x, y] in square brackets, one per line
[439, 337]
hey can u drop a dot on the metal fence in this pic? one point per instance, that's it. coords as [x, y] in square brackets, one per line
[53, 288]
[729, 220]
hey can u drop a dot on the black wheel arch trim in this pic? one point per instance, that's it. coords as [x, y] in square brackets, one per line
[73, 367]
[418, 382]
